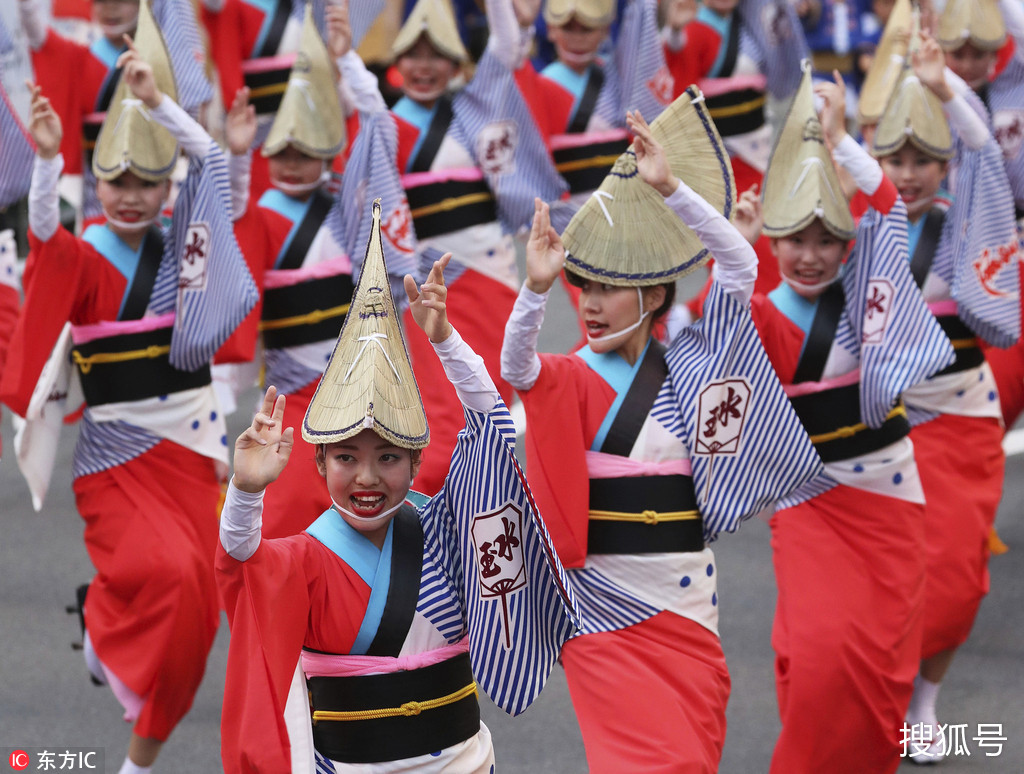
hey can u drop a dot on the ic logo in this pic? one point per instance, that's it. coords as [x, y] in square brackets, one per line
[19, 760]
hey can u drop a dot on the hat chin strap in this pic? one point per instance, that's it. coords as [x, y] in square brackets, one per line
[572, 58]
[371, 521]
[628, 328]
[798, 286]
[124, 225]
[301, 188]
[419, 95]
[117, 30]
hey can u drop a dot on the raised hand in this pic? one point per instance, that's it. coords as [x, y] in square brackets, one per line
[339, 29]
[44, 125]
[526, 11]
[833, 111]
[139, 75]
[748, 217]
[428, 305]
[930, 67]
[651, 162]
[679, 13]
[240, 123]
[545, 253]
[263, 449]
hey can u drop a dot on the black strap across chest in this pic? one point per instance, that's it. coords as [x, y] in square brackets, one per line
[732, 47]
[924, 253]
[137, 302]
[319, 206]
[272, 42]
[823, 332]
[404, 588]
[107, 91]
[588, 101]
[435, 136]
[637, 403]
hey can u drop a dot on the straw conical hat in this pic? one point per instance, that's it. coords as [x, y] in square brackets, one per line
[914, 113]
[433, 18]
[801, 183]
[885, 70]
[368, 382]
[130, 140]
[625, 234]
[310, 115]
[589, 13]
[978, 22]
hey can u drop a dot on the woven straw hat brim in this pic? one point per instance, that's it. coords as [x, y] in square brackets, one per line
[914, 114]
[130, 140]
[887, 66]
[369, 381]
[801, 183]
[309, 117]
[433, 18]
[589, 13]
[978, 22]
[625, 234]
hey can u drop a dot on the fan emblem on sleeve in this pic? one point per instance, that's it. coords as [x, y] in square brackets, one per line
[876, 311]
[1008, 128]
[721, 411]
[194, 256]
[661, 85]
[396, 228]
[496, 148]
[497, 537]
[990, 263]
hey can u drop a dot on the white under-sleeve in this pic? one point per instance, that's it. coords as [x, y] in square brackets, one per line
[865, 170]
[1013, 16]
[504, 40]
[359, 88]
[240, 174]
[966, 122]
[520, 364]
[466, 371]
[186, 130]
[735, 266]
[43, 198]
[33, 21]
[674, 39]
[241, 520]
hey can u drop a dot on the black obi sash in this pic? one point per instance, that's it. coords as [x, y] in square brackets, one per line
[642, 514]
[965, 343]
[450, 205]
[831, 417]
[584, 167]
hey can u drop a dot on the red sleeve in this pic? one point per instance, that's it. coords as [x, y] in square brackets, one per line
[70, 97]
[781, 337]
[550, 104]
[563, 411]
[227, 46]
[254, 242]
[66, 280]
[885, 197]
[9, 302]
[407, 136]
[696, 58]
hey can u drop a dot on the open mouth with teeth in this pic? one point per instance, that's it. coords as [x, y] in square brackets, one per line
[595, 329]
[367, 504]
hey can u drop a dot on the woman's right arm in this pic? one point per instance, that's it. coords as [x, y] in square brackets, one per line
[43, 197]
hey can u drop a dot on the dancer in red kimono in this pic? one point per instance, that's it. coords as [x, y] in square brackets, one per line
[623, 441]
[142, 312]
[964, 258]
[846, 339]
[376, 620]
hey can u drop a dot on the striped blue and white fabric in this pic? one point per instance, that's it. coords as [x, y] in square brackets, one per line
[779, 41]
[177, 22]
[636, 77]
[515, 638]
[491, 117]
[978, 254]
[203, 276]
[900, 343]
[16, 154]
[361, 16]
[104, 445]
[721, 380]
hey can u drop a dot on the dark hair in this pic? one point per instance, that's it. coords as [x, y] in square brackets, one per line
[578, 281]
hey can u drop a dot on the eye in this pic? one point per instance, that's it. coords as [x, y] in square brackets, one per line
[344, 457]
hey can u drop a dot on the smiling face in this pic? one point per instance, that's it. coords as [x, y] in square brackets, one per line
[917, 176]
[367, 476]
[607, 310]
[972, 64]
[809, 258]
[576, 44]
[296, 171]
[130, 199]
[425, 72]
[115, 18]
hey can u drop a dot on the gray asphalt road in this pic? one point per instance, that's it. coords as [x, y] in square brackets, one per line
[47, 700]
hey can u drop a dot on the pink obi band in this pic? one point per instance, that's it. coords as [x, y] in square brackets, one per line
[329, 665]
[806, 388]
[601, 465]
[283, 278]
[82, 334]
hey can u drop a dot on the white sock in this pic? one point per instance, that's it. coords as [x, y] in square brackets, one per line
[133, 768]
[922, 703]
[92, 661]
